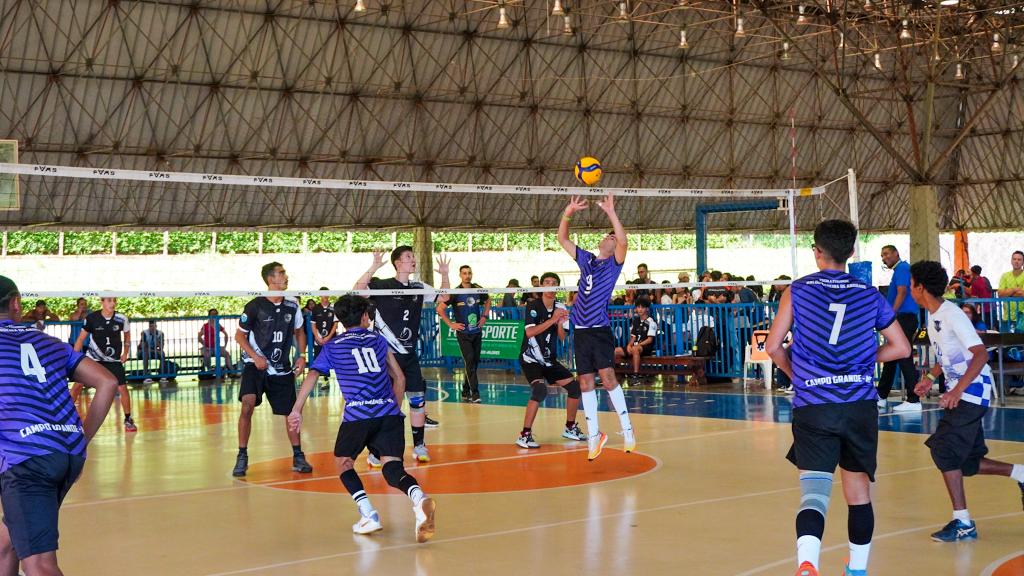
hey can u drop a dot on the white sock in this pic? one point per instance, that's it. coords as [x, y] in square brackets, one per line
[590, 412]
[417, 495]
[962, 515]
[859, 556]
[1018, 472]
[365, 506]
[808, 549]
[618, 400]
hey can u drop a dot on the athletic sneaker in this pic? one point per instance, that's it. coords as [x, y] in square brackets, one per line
[908, 407]
[367, 524]
[475, 399]
[420, 453]
[629, 440]
[465, 397]
[430, 422]
[596, 444]
[129, 425]
[883, 404]
[1021, 484]
[956, 531]
[299, 464]
[241, 465]
[424, 519]
[164, 380]
[574, 433]
[147, 381]
[527, 441]
[807, 569]
[848, 572]
[372, 461]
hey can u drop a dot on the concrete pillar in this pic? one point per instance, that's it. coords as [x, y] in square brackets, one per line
[923, 205]
[423, 244]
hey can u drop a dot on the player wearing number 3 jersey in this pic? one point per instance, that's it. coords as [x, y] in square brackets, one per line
[833, 317]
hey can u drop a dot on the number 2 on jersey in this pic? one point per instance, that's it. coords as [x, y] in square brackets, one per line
[840, 310]
[366, 360]
[30, 363]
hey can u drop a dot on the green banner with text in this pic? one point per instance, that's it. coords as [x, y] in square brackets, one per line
[501, 340]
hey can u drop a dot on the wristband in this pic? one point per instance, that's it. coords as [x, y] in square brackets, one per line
[566, 218]
[929, 376]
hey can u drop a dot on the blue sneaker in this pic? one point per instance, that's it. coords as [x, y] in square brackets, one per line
[956, 531]
[848, 572]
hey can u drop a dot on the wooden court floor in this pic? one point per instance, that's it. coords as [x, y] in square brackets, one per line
[708, 493]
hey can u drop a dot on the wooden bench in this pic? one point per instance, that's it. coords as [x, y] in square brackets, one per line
[692, 366]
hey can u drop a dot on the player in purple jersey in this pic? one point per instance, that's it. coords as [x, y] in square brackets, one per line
[594, 344]
[833, 317]
[42, 438]
[372, 384]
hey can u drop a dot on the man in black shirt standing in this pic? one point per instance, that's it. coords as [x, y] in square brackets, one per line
[397, 319]
[266, 331]
[109, 342]
[469, 313]
[325, 325]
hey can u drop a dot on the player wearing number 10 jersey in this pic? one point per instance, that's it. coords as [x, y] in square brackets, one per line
[833, 317]
[372, 383]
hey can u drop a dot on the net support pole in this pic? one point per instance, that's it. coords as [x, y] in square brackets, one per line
[851, 184]
[792, 234]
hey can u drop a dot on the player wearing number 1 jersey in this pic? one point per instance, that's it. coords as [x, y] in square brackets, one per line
[372, 384]
[42, 438]
[109, 341]
[834, 317]
[266, 331]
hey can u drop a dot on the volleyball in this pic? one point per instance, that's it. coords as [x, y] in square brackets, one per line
[588, 171]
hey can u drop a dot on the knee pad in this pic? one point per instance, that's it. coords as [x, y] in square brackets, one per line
[393, 472]
[538, 390]
[417, 402]
[815, 491]
[572, 389]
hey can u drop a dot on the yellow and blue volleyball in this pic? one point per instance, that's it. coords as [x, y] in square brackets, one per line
[588, 171]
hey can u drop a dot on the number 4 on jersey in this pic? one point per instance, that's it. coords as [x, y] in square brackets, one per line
[30, 363]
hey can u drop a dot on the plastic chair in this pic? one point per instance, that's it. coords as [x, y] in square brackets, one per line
[756, 354]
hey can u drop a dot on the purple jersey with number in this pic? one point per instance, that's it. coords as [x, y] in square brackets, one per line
[597, 280]
[835, 317]
[360, 362]
[36, 413]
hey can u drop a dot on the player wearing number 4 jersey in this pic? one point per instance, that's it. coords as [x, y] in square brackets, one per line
[266, 331]
[109, 344]
[42, 438]
[372, 383]
[834, 317]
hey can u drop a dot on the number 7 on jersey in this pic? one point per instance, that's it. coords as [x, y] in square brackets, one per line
[837, 325]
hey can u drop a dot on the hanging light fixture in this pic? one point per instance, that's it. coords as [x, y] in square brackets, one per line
[682, 2]
[683, 44]
[959, 71]
[567, 29]
[997, 46]
[785, 50]
[868, 6]
[360, 6]
[949, 2]
[878, 60]
[905, 30]
[623, 11]
[842, 41]
[740, 32]
[1015, 61]
[802, 18]
[502, 18]
[556, 10]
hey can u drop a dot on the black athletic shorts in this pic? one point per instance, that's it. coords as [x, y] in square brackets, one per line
[117, 369]
[594, 349]
[644, 351]
[826, 435]
[31, 494]
[410, 365]
[280, 390]
[959, 441]
[552, 374]
[384, 436]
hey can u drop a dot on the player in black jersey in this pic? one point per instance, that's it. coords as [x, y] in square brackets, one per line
[642, 331]
[546, 323]
[397, 319]
[109, 344]
[266, 331]
[325, 325]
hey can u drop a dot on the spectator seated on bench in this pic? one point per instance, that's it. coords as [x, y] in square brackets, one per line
[642, 334]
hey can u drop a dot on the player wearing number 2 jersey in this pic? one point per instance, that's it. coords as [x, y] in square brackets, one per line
[833, 317]
[266, 331]
[42, 439]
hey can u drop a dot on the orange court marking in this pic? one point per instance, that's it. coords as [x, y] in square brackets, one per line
[467, 468]
[1012, 567]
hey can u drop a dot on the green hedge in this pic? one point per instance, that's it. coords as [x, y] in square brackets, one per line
[140, 243]
[76, 243]
[488, 242]
[156, 307]
[282, 242]
[327, 241]
[451, 241]
[189, 242]
[237, 243]
[370, 241]
[32, 242]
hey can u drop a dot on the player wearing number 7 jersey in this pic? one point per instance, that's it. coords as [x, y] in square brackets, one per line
[833, 317]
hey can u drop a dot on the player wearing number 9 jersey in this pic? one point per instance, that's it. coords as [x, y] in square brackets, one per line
[372, 383]
[833, 317]
[42, 438]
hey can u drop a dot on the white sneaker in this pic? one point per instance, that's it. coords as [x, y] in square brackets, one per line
[629, 441]
[527, 441]
[420, 453]
[164, 380]
[883, 404]
[574, 433]
[367, 524]
[424, 519]
[147, 381]
[372, 461]
[908, 407]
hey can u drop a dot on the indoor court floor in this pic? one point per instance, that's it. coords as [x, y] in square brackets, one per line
[708, 492]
